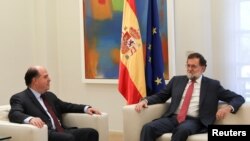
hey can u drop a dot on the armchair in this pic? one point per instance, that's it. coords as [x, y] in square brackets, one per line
[133, 121]
[26, 132]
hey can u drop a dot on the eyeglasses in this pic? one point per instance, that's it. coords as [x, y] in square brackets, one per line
[192, 66]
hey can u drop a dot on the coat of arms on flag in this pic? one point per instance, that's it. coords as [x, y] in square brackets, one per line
[130, 37]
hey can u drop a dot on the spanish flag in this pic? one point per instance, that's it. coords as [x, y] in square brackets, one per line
[131, 82]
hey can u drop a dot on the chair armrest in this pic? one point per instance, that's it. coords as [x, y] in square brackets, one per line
[81, 120]
[133, 121]
[23, 132]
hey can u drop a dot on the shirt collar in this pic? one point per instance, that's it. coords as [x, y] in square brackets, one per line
[36, 94]
[198, 81]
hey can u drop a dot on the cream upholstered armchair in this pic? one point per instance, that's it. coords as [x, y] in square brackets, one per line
[26, 132]
[133, 121]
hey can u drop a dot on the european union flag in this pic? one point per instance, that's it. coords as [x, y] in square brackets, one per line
[154, 60]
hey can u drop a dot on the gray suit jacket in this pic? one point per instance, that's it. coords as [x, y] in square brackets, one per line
[211, 93]
[25, 104]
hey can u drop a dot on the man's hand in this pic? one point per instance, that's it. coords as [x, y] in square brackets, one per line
[141, 105]
[36, 122]
[92, 111]
[223, 111]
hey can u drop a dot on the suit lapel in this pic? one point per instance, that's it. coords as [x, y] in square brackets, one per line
[35, 101]
[52, 104]
[177, 95]
[203, 90]
[181, 89]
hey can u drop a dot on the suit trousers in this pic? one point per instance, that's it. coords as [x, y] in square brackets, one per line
[180, 132]
[74, 134]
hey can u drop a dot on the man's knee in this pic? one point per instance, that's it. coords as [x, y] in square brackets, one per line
[93, 135]
[148, 131]
[183, 131]
[147, 127]
[69, 137]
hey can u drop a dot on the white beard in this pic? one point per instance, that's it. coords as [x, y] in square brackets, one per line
[193, 76]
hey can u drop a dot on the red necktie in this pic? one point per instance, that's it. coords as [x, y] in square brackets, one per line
[184, 108]
[52, 113]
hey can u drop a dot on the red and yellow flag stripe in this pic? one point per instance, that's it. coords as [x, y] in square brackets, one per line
[131, 72]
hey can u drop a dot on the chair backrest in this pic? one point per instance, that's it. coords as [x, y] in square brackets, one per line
[4, 111]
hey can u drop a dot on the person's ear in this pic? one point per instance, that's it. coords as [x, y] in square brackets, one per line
[203, 69]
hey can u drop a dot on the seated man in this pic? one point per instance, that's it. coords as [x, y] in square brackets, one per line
[194, 102]
[38, 106]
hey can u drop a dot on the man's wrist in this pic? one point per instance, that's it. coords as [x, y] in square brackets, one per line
[144, 100]
[86, 108]
[231, 108]
[27, 120]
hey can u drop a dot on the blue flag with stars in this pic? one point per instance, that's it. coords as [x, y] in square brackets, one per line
[154, 59]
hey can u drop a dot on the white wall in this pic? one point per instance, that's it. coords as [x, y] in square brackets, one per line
[27, 37]
[16, 45]
[192, 31]
[47, 32]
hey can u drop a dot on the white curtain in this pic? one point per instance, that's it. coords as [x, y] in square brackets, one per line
[230, 25]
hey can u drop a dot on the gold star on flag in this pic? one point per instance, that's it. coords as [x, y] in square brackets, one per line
[154, 30]
[158, 81]
[149, 59]
[149, 47]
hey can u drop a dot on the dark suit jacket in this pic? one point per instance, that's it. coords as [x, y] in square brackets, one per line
[25, 104]
[211, 93]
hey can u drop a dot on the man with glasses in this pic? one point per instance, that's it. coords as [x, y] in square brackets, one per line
[194, 102]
